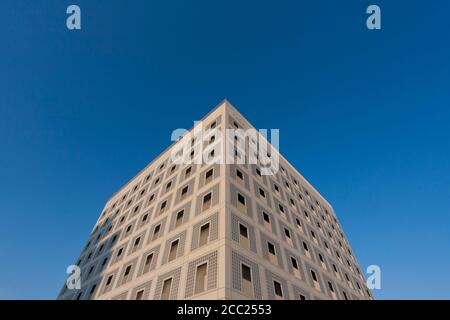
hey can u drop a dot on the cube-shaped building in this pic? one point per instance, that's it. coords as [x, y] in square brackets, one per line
[218, 229]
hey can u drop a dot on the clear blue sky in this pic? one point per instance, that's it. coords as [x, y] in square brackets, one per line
[363, 115]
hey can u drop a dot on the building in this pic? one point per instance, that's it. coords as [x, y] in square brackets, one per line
[217, 231]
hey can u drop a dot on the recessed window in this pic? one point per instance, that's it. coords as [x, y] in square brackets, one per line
[258, 172]
[272, 253]
[305, 246]
[184, 191]
[169, 184]
[241, 199]
[287, 233]
[108, 282]
[246, 273]
[136, 242]
[335, 268]
[262, 193]
[294, 263]
[207, 201]
[277, 288]
[163, 206]
[281, 208]
[247, 286]
[188, 171]
[200, 278]
[173, 250]
[91, 269]
[239, 175]
[314, 276]
[167, 286]
[119, 253]
[271, 248]
[213, 125]
[148, 263]
[204, 235]
[243, 231]
[126, 275]
[330, 286]
[266, 217]
[139, 295]
[156, 232]
[276, 188]
[209, 175]
[179, 219]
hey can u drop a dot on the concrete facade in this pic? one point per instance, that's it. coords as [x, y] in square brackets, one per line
[217, 231]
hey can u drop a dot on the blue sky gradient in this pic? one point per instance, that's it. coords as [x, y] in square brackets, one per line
[363, 115]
